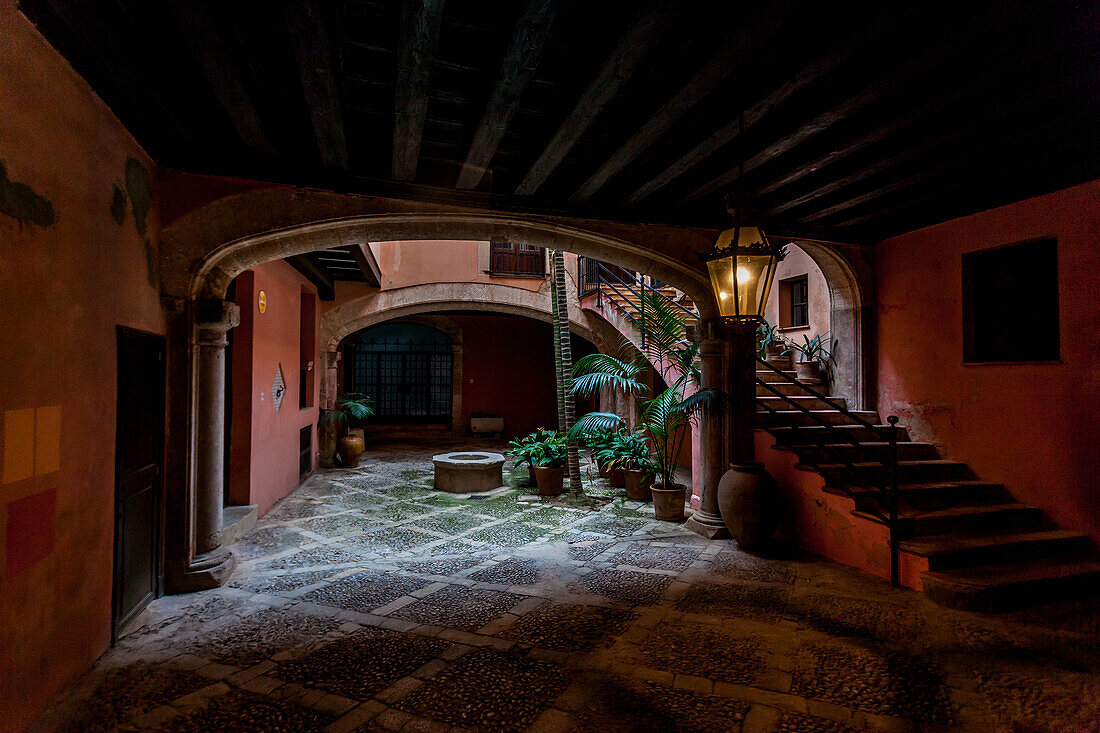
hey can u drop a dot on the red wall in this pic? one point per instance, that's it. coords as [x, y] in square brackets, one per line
[264, 444]
[508, 369]
[1031, 426]
[64, 287]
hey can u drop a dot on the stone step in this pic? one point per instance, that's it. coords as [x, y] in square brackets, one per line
[909, 471]
[805, 401]
[788, 417]
[787, 388]
[951, 551]
[767, 375]
[992, 588]
[1007, 516]
[930, 495]
[835, 451]
[808, 433]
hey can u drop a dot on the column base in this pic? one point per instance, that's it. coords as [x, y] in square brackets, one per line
[708, 525]
[207, 571]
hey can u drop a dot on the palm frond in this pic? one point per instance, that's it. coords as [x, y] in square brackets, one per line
[708, 403]
[595, 422]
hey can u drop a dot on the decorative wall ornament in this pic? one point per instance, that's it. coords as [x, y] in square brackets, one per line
[278, 388]
[261, 301]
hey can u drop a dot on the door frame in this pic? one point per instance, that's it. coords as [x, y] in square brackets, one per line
[124, 334]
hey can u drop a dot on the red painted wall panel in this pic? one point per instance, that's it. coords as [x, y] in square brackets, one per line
[1031, 426]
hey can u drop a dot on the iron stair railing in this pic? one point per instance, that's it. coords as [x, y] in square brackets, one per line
[597, 278]
[855, 475]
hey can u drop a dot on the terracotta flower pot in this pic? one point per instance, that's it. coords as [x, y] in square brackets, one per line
[775, 351]
[616, 478]
[549, 480]
[351, 448]
[668, 504]
[637, 484]
[808, 370]
[748, 498]
[604, 470]
[530, 474]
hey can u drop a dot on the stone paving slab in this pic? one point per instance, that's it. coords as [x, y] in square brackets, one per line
[368, 601]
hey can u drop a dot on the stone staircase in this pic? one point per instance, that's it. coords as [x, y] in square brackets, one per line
[984, 550]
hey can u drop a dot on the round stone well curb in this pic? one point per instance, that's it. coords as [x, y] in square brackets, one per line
[465, 472]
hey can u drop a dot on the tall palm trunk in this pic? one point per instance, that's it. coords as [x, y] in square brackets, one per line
[563, 362]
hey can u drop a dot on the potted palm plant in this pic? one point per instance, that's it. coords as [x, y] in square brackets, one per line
[349, 406]
[597, 372]
[666, 419]
[815, 357]
[548, 456]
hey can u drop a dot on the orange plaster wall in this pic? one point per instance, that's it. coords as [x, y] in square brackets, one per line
[63, 290]
[823, 523]
[1031, 426]
[264, 448]
[444, 261]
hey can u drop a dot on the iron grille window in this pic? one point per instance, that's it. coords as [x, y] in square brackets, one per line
[517, 260]
[405, 369]
[305, 450]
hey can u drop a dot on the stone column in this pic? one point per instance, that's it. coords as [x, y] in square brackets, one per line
[707, 521]
[211, 563]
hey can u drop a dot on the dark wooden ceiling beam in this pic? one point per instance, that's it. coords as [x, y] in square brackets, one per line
[517, 69]
[420, 25]
[750, 37]
[926, 58]
[647, 27]
[367, 263]
[723, 136]
[209, 49]
[310, 270]
[913, 179]
[311, 43]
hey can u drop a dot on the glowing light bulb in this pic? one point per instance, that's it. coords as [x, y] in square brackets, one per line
[743, 275]
[723, 295]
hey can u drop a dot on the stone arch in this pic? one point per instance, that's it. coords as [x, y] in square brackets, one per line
[218, 266]
[848, 274]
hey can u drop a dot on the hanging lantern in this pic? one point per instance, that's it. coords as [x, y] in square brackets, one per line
[742, 266]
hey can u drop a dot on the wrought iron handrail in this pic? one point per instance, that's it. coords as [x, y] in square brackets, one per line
[608, 282]
[885, 492]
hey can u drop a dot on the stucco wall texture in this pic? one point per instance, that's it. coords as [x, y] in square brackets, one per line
[264, 444]
[64, 288]
[1031, 426]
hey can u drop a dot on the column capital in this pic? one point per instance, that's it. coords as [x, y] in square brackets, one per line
[215, 314]
[213, 318]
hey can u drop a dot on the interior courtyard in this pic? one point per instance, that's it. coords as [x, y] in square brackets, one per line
[428, 365]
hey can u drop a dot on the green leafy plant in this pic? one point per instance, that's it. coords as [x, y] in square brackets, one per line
[629, 451]
[768, 335]
[666, 417]
[524, 449]
[550, 452]
[349, 406]
[817, 349]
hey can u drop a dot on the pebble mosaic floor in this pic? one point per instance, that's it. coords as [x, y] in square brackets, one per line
[366, 601]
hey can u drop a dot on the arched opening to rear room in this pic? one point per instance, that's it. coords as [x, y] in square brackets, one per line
[209, 247]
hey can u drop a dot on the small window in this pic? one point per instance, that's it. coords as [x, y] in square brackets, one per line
[1010, 303]
[794, 302]
[513, 259]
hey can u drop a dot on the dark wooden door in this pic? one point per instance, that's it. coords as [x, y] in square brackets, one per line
[139, 449]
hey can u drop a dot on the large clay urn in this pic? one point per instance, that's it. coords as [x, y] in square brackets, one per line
[748, 498]
[351, 448]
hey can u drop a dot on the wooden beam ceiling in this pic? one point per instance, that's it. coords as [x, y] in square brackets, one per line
[644, 31]
[516, 71]
[421, 21]
[857, 124]
[749, 38]
[206, 44]
[311, 43]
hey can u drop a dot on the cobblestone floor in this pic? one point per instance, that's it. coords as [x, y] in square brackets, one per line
[367, 601]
